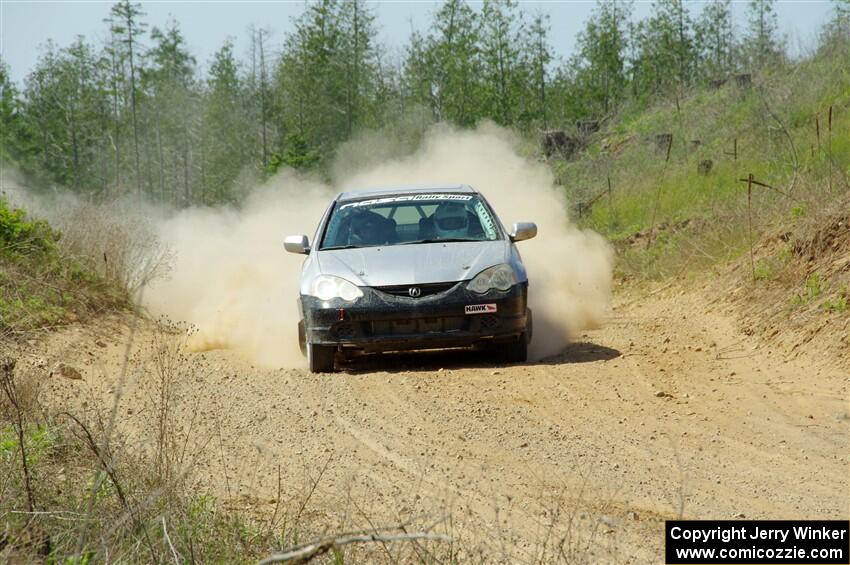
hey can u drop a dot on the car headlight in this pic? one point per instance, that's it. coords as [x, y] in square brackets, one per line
[500, 277]
[325, 287]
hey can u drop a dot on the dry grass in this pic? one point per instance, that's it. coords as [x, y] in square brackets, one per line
[115, 240]
[103, 490]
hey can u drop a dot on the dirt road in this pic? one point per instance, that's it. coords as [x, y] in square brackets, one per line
[668, 410]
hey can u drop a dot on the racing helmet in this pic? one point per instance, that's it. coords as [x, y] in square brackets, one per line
[451, 220]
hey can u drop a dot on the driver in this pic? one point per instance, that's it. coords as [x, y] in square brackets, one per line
[368, 228]
[451, 221]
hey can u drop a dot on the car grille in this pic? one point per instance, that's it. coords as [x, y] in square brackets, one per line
[489, 322]
[418, 326]
[425, 289]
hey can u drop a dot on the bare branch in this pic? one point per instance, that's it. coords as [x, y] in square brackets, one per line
[170, 545]
[308, 552]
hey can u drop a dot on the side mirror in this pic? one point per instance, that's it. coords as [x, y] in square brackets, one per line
[297, 244]
[523, 230]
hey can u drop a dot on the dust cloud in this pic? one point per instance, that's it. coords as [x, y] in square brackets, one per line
[232, 279]
[230, 276]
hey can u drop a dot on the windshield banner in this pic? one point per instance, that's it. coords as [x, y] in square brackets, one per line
[409, 198]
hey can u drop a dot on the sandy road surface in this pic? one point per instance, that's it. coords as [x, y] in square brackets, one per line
[669, 408]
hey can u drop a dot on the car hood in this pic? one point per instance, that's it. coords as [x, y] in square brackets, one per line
[420, 263]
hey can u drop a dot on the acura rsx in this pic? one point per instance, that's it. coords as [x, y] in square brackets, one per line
[412, 269]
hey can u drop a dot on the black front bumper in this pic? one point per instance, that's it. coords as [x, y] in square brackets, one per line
[380, 321]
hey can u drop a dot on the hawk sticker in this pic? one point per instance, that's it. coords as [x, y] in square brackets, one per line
[480, 309]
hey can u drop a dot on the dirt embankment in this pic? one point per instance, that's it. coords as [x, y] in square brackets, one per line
[671, 409]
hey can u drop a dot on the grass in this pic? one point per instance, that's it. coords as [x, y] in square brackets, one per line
[40, 284]
[75, 488]
[773, 125]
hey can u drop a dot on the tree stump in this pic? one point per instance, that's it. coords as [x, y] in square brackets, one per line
[717, 84]
[663, 141]
[704, 167]
[744, 80]
[557, 142]
[587, 127]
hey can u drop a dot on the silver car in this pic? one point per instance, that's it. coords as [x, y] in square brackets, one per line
[412, 269]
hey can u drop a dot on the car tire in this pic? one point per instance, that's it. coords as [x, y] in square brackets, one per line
[320, 358]
[516, 351]
[302, 338]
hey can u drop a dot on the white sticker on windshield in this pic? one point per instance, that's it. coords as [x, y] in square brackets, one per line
[410, 198]
[486, 220]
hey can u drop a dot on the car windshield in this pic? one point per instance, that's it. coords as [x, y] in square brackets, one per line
[406, 219]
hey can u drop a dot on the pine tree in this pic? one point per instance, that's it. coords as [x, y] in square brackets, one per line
[453, 58]
[16, 144]
[126, 25]
[170, 104]
[501, 40]
[836, 33]
[312, 77]
[599, 67]
[116, 86]
[539, 56]
[226, 143]
[761, 42]
[67, 106]
[359, 59]
[716, 40]
[666, 54]
[418, 78]
[260, 88]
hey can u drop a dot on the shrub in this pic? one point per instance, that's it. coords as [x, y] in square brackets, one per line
[22, 236]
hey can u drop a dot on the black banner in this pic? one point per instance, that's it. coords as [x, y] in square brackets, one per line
[762, 542]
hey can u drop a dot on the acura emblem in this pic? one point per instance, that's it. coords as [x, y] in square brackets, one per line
[414, 292]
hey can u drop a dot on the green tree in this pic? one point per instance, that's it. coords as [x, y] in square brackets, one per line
[666, 54]
[67, 106]
[716, 39]
[126, 26]
[418, 78]
[503, 69]
[761, 42]
[539, 53]
[311, 76]
[259, 90]
[836, 32]
[16, 143]
[116, 85]
[453, 61]
[171, 106]
[226, 144]
[359, 60]
[600, 65]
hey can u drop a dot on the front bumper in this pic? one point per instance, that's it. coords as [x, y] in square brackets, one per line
[380, 321]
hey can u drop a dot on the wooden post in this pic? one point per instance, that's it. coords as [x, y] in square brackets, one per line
[734, 152]
[658, 192]
[829, 149]
[817, 130]
[750, 223]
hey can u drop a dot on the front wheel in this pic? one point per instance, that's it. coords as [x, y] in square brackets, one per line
[320, 358]
[302, 338]
[516, 351]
